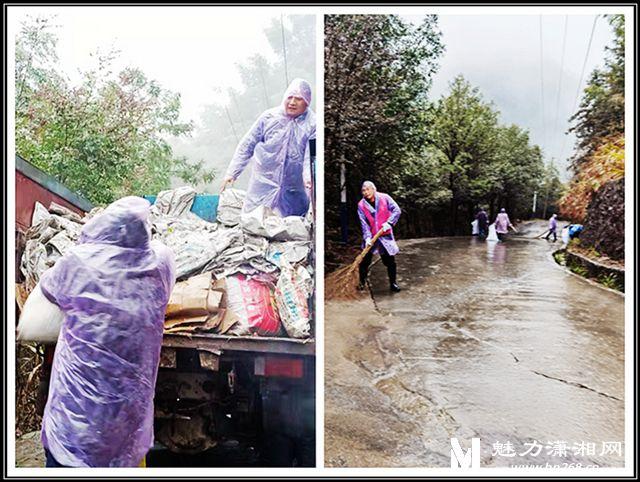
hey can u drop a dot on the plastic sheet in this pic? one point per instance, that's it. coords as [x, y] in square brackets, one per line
[474, 228]
[290, 252]
[230, 206]
[175, 202]
[575, 230]
[493, 235]
[113, 288]
[263, 222]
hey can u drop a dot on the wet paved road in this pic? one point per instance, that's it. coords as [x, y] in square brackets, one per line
[486, 340]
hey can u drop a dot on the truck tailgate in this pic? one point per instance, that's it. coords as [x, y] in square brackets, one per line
[260, 344]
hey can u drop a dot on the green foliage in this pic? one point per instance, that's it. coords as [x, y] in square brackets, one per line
[595, 195]
[465, 131]
[579, 270]
[487, 163]
[439, 159]
[378, 70]
[560, 257]
[601, 112]
[104, 138]
[592, 252]
[611, 281]
[550, 191]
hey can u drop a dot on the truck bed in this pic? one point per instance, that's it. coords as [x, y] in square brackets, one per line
[261, 344]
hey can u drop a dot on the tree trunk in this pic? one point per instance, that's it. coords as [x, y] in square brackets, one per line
[546, 202]
[454, 217]
[492, 208]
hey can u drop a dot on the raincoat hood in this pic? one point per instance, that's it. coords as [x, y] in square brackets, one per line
[298, 88]
[123, 223]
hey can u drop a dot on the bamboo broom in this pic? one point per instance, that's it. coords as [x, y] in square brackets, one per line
[343, 282]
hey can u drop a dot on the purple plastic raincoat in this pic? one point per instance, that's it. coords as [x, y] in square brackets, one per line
[553, 224]
[113, 288]
[277, 146]
[502, 223]
[388, 241]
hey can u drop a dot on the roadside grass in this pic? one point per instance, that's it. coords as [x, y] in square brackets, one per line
[610, 280]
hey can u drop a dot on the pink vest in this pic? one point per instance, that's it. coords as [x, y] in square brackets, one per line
[382, 214]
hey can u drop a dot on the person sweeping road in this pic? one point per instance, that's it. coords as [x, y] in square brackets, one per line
[553, 226]
[378, 212]
[277, 147]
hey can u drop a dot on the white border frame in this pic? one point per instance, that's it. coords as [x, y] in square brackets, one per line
[320, 471]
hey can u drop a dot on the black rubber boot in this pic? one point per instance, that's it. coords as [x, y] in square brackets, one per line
[394, 287]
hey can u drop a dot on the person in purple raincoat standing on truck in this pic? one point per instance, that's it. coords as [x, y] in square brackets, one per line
[377, 211]
[112, 288]
[277, 149]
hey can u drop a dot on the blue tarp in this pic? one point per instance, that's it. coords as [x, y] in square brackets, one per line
[204, 205]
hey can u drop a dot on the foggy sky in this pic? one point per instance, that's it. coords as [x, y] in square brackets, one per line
[194, 51]
[500, 54]
[189, 50]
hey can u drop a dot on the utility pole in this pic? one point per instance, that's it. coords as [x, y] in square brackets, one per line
[233, 129]
[284, 52]
[344, 218]
[546, 193]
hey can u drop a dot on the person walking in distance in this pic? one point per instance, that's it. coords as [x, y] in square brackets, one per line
[503, 224]
[483, 223]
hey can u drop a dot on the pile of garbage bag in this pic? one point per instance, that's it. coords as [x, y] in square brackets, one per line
[245, 274]
[51, 233]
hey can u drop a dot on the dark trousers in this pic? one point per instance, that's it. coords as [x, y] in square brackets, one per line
[555, 237]
[388, 260]
[51, 462]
